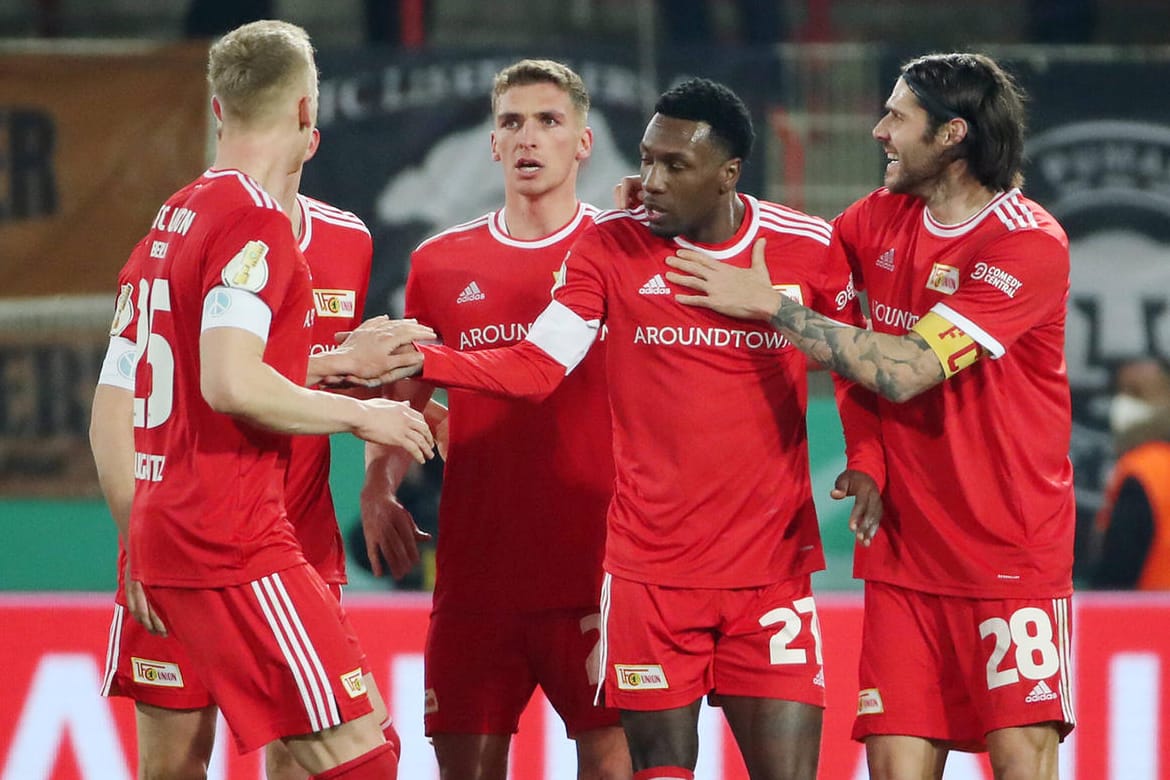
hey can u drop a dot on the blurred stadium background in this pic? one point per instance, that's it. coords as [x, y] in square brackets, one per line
[103, 113]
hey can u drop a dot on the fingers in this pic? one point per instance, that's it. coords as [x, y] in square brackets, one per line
[375, 556]
[140, 609]
[686, 280]
[758, 254]
[701, 301]
[866, 513]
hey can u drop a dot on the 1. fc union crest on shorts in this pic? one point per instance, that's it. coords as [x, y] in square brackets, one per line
[645, 677]
[160, 673]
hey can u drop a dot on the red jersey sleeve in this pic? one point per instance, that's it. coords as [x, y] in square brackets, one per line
[256, 253]
[582, 286]
[1018, 282]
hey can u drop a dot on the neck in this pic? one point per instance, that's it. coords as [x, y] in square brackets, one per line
[723, 224]
[957, 198]
[529, 218]
[264, 158]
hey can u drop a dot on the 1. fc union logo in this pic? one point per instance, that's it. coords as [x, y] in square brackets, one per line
[160, 673]
[640, 678]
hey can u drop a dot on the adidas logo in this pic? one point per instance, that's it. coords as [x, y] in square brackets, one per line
[470, 293]
[656, 286]
[820, 678]
[886, 261]
[1040, 693]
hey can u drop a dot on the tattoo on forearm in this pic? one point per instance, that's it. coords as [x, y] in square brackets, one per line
[895, 367]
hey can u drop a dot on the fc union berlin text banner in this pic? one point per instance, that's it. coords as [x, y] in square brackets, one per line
[55, 726]
[91, 143]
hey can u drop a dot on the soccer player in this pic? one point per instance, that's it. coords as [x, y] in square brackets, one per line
[225, 309]
[174, 711]
[712, 532]
[525, 485]
[967, 617]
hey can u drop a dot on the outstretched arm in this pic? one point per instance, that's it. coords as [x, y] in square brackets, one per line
[896, 367]
[556, 343]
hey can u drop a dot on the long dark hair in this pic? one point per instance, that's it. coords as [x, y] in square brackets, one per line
[975, 88]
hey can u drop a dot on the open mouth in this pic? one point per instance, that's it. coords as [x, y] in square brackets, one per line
[654, 211]
[528, 165]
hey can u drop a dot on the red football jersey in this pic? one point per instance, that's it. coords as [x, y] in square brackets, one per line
[209, 500]
[710, 445]
[337, 246]
[525, 485]
[977, 505]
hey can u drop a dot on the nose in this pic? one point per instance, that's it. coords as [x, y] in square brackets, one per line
[527, 134]
[879, 130]
[653, 179]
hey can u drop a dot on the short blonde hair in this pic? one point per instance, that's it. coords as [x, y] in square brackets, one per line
[527, 72]
[254, 65]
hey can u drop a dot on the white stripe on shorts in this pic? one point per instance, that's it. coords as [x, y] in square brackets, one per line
[603, 658]
[309, 686]
[1060, 608]
[113, 648]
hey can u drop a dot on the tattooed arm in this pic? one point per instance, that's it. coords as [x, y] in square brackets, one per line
[896, 367]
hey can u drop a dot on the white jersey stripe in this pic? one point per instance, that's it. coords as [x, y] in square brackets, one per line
[289, 657]
[258, 194]
[345, 223]
[1025, 215]
[603, 643]
[805, 220]
[819, 237]
[306, 642]
[473, 224]
[330, 209]
[638, 215]
[113, 649]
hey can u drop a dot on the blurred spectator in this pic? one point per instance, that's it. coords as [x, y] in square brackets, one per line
[213, 18]
[690, 21]
[1134, 522]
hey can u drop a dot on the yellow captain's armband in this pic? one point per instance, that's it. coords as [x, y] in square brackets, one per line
[955, 349]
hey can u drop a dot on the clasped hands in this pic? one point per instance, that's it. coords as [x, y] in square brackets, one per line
[378, 352]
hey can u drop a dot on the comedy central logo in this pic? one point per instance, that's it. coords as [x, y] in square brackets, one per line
[640, 678]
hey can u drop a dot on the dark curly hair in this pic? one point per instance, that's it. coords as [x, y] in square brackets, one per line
[704, 100]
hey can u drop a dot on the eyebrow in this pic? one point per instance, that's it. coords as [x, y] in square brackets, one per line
[552, 114]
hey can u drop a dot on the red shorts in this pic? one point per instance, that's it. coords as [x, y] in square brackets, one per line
[154, 669]
[150, 669]
[664, 648]
[481, 670]
[278, 654]
[952, 668]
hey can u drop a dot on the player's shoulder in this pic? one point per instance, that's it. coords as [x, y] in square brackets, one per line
[616, 223]
[473, 229]
[231, 189]
[1013, 213]
[321, 212]
[792, 223]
